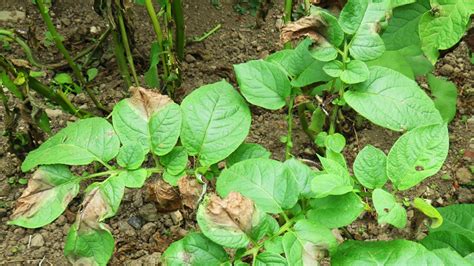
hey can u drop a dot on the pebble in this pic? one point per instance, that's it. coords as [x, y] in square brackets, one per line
[53, 113]
[190, 58]
[37, 241]
[127, 229]
[446, 70]
[176, 217]
[147, 231]
[137, 199]
[3, 212]
[136, 222]
[4, 189]
[12, 15]
[149, 213]
[463, 175]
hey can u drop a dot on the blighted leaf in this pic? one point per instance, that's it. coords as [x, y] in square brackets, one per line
[395, 252]
[131, 156]
[80, 143]
[302, 175]
[149, 118]
[49, 191]
[190, 190]
[388, 209]
[229, 221]
[164, 195]
[216, 121]
[263, 84]
[429, 211]
[173, 179]
[370, 167]
[194, 249]
[266, 182]
[336, 211]
[89, 246]
[134, 178]
[247, 151]
[389, 99]
[446, 94]
[443, 26]
[418, 154]
[175, 162]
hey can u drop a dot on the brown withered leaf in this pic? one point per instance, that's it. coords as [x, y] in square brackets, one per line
[21, 63]
[190, 190]
[310, 26]
[233, 211]
[93, 210]
[165, 196]
[147, 101]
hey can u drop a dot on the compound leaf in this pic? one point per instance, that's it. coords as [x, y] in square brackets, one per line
[216, 121]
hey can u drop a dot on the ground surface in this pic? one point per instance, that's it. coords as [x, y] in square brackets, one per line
[140, 232]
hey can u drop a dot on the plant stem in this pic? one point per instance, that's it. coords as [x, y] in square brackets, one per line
[304, 121]
[59, 44]
[159, 34]
[23, 45]
[177, 9]
[287, 17]
[333, 118]
[121, 61]
[289, 142]
[207, 34]
[126, 45]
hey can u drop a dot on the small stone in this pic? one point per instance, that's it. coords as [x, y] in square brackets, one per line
[61, 220]
[127, 229]
[446, 70]
[410, 214]
[168, 222]
[12, 15]
[4, 189]
[136, 222]
[137, 199]
[176, 217]
[37, 241]
[149, 213]
[66, 229]
[190, 58]
[53, 113]
[3, 212]
[147, 231]
[464, 176]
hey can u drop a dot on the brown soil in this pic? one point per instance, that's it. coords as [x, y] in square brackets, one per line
[206, 62]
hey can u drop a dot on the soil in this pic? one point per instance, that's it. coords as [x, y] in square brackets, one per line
[141, 233]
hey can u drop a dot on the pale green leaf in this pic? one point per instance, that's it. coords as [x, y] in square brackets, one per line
[312, 74]
[388, 209]
[329, 184]
[133, 178]
[416, 155]
[426, 208]
[247, 151]
[445, 96]
[352, 15]
[451, 257]
[334, 68]
[268, 258]
[216, 121]
[131, 156]
[370, 167]
[302, 174]
[457, 219]
[356, 71]
[175, 161]
[336, 211]
[335, 142]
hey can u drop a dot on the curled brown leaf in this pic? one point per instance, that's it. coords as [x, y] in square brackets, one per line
[148, 101]
[93, 210]
[310, 26]
[235, 211]
[164, 195]
[190, 190]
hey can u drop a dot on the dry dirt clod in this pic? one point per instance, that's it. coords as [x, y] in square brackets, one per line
[464, 176]
[149, 212]
[37, 241]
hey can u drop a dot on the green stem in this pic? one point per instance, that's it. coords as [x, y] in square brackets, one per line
[333, 120]
[288, 11]
[159, 34]
[23, 45]
[304, 121]
[126, 46]
[289, 141]
[207, 34]
[59, 44]
[121, 61]
[177, 9]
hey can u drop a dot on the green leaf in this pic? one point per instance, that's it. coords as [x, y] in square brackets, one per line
[194, 249]
[367, 46]
[274, 245]
[63, 78]
[445, 94]
[297, 61]
[48, 194]
[335, 168]
[334, 68]
[395, 252]
[268, 258]
[328, 184]
[216, 121]
[356, 71]
[316, 234]
[429, 211]
[388, 209]
[336, 211]
[131, 156]
[336, 142]
[443, 26]
[416, 155]
[91, 246]
[324, 52]
[312, 74]
[457, 219]
[396, 61]
[294, 250]
[370, 167]
[302, 175]
[264, 181]
[446, 239]
[173, 179]
[151, 76]
[451, 257]
[263, 84]
[92, 73]
[391, 100]
[247, 151]
[80, 143]
[133, 178]
[397, 3]
[352, 15]
[149, 118]
[8, 83]
[402, 30]
[175, 162]
[229, 221]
